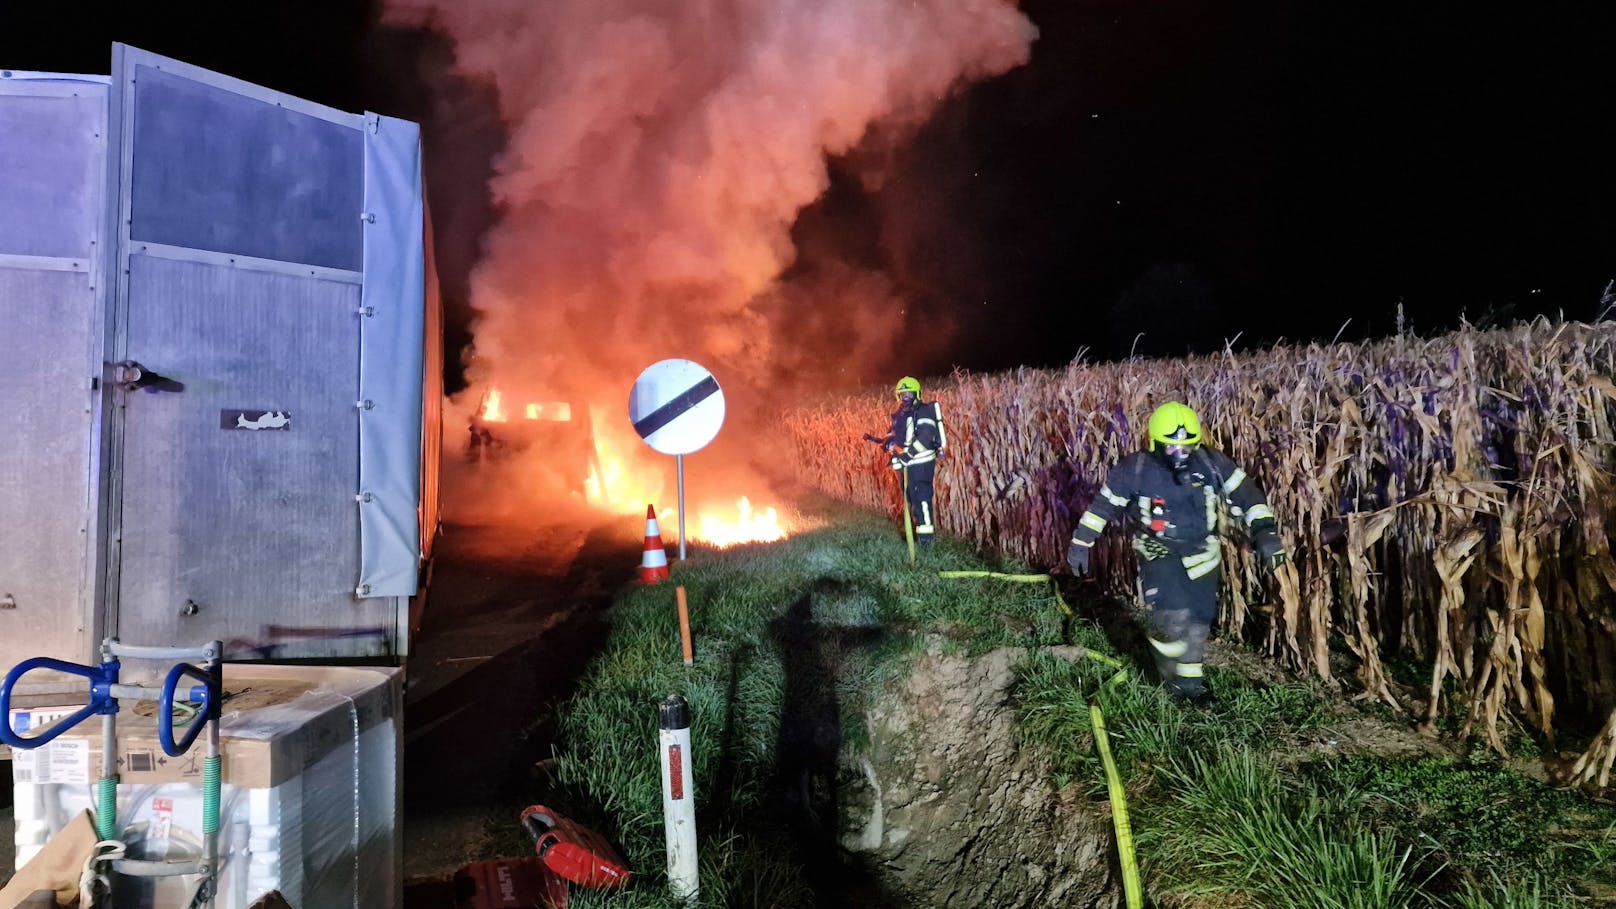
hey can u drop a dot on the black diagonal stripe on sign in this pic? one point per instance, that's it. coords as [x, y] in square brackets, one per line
[665, 414]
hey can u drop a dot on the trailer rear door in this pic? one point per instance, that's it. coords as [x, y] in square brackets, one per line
[234, 498]
[52, 200]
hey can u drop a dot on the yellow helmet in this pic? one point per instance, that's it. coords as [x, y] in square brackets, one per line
[1174, 423]
[908, 384]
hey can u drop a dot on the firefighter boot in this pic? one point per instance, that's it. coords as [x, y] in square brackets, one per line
[1178, 644]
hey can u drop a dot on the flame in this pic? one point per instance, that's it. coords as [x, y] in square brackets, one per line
[492, 411]
[749, 527]
[624, 478]
[625, 489]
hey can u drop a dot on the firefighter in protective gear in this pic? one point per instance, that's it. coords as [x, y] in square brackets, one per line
[1169, 497]
[916, 440]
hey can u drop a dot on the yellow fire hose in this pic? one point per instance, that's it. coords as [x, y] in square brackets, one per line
[1131, 889]
[908, 521]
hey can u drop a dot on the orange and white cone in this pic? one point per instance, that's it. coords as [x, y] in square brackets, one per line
[654, 563]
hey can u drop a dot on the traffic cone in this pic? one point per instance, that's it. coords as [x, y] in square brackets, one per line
[654, 563]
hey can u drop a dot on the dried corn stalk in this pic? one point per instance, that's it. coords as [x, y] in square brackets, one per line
[1593, 767]
[1444, 498]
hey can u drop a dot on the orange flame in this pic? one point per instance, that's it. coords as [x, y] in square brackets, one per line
[492, 411]
[749, 527]
[623, 479]
[618, 481]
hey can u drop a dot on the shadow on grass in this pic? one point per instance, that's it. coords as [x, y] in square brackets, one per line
[1117, 619]
[805, 790]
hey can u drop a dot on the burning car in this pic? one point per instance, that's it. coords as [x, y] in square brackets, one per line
[558, 433]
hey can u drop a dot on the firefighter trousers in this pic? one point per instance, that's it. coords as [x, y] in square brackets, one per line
[1182, 610]
[919, 492]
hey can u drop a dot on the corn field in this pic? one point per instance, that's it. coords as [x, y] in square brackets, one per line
[1443, 500]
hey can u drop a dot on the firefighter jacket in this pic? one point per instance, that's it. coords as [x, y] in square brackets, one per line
[917, 433]
[1176, 514]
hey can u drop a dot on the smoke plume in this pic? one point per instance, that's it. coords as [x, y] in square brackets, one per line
[657, 157]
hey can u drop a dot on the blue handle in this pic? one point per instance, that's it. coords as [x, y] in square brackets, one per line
[209, 692]
[101, 679]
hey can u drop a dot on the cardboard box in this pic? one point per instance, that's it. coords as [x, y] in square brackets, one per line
[277, 720]
[310, 801]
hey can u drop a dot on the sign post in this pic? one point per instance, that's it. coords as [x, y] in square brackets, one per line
[677, 407]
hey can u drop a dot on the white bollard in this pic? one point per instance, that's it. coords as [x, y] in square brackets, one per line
[678, 798]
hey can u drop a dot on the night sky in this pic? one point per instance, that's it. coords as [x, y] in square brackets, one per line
[1191, 171]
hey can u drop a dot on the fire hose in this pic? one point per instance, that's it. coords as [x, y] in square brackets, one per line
[1132, 891]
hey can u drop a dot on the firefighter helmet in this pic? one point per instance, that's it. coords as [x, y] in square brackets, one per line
[1174, 423]
[908, 384]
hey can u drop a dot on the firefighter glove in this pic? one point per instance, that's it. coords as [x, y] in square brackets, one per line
[897, 463]
[1270, 549]
[1150, 549]
[1078, 558]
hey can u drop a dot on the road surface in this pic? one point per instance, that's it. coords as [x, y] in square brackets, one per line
[516, 611]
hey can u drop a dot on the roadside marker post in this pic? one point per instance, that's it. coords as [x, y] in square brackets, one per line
[684, 626]
[678, 798]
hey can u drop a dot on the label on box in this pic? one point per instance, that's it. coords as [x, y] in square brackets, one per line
[162, 823]
[61, 761]
[69, 761]
[30, 765]
[22, 766]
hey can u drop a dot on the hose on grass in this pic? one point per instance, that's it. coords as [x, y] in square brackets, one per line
[1132, 891]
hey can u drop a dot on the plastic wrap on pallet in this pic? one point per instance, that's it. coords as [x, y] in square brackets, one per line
[309, 805]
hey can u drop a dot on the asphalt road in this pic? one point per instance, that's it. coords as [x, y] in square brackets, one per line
[516, 611]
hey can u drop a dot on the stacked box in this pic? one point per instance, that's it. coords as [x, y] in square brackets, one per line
[309, 805]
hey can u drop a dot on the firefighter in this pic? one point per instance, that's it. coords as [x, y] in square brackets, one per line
[481, 443]
[916, 440]
[1169, 498]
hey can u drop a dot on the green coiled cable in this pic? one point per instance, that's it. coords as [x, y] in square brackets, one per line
[210, 794]
[106, 807]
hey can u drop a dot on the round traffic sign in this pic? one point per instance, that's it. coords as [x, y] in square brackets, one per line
[676, 406]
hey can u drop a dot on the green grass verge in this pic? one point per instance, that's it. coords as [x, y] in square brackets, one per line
[1226, 812]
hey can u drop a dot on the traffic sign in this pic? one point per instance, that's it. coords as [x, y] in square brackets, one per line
[676, 406]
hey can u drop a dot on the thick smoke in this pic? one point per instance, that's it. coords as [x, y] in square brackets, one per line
[658, 155]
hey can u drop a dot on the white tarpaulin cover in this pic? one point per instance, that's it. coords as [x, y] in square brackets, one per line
[390, 370]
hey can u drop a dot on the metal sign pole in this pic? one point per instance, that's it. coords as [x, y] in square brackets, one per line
[680, 459]
[677, 407]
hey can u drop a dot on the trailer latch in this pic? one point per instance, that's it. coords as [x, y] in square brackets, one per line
[131, 376]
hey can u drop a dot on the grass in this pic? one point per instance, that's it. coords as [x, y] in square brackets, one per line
[1228, 808]
[1239, 830]
[1492, 824]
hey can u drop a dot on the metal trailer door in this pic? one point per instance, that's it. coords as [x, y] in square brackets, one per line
[52, 200]
[234, 431]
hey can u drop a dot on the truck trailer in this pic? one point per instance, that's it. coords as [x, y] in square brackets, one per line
[220, 353]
